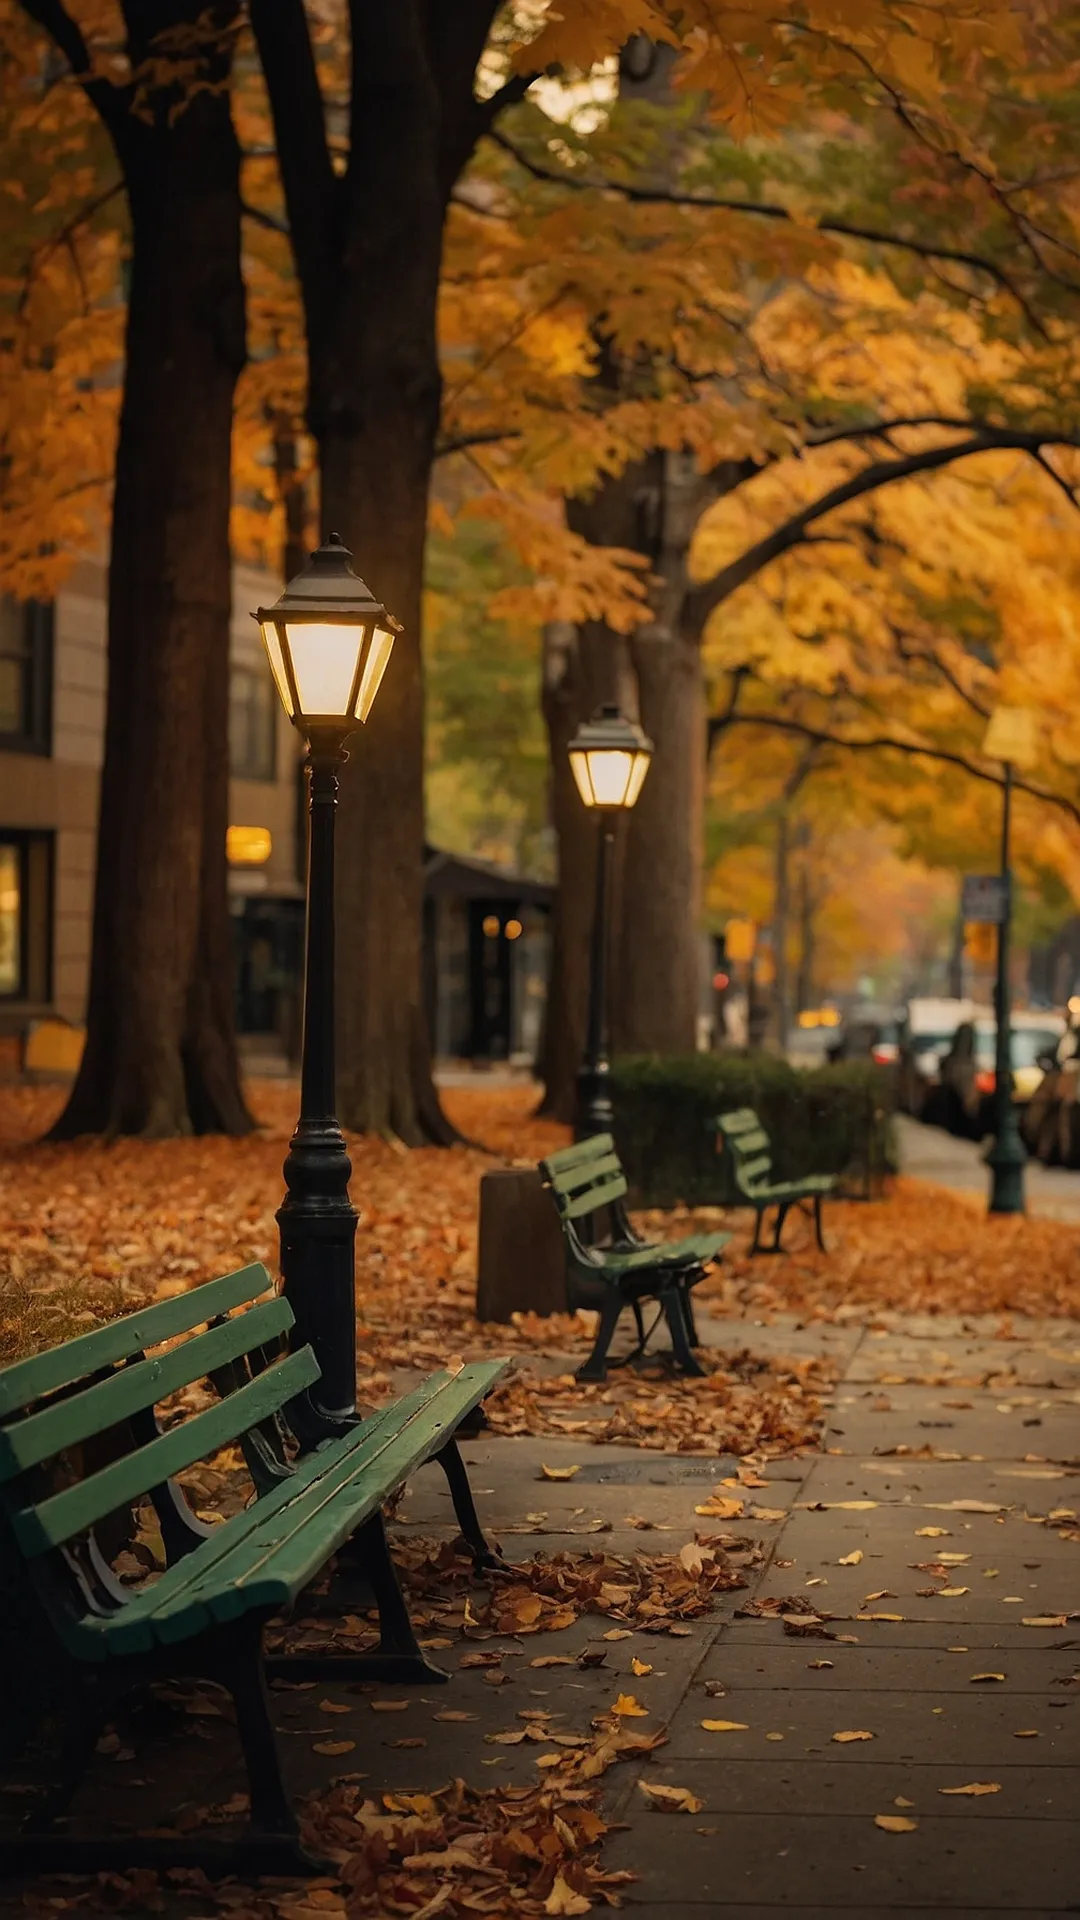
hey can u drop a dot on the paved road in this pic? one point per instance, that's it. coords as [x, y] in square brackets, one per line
[929, 1153]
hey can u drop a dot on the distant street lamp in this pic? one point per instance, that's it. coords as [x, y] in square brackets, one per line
[609, 757]
[328, 641]
[1010, 738]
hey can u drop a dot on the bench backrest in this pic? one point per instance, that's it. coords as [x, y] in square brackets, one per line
[79, 1434]
[585, 1177]
[746, 1140]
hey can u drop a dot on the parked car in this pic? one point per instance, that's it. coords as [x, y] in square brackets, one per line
[1050, 1122]
[867, 1031]
[965, 1102]
[926, 1034]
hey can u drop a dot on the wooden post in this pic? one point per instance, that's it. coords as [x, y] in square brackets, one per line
[521, 1266]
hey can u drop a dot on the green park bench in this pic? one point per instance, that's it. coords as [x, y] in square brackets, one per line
[741, 1136]
[82, 1448]
[587, 1180]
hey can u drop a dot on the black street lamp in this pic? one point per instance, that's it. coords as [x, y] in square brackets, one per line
[328, 641]
[1009, 738]
[609, 757]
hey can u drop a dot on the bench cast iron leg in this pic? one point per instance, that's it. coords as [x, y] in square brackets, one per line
[674, 1305]
[398, 1656]
[94, 1698]
[594, 1367]
[781, 1216]
[817, 1224]
[759, 1215]
[452, 1464]
[241, 1672]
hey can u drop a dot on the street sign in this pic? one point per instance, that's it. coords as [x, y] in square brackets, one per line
[984, 899]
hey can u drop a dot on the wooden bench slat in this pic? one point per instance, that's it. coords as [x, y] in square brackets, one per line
[213, 1564]
[568, 1185]
[282, 1556]
[741, 1120]
[37, 1436]
[54, 1520]
[601, 1195]
[28, 1380]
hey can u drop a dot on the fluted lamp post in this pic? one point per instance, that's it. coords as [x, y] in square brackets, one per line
[609, 758]
[1010, 738]
[328, 641]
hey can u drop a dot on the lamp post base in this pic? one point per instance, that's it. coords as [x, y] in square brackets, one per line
[1007, 1157]
[317, 1222]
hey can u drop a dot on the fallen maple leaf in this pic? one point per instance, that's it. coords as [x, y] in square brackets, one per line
[640, 1667]
[951, 1593]
[975, 1788]
[851, 1559]
[388, 1706]
[628, 1708]
[563, 1899]
[725, 1726]
[987, 1676]
[678, 1799]
[894, 1823]
[333, 1746]
[932, 1533]
[842, 1739]
[1046, 1620]
[720, 1507]
[561, 1473]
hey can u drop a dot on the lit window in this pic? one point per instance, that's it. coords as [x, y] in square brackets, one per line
[252, 724]
[26, 637]
[25, 910]
[248, 846]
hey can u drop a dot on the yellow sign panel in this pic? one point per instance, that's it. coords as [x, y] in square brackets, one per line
[1012, 736]
[740, 938]
[980, 942]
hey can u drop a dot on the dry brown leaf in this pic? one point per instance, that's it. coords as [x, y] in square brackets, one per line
[851, 1559]
[932, 1533]
[333, 1747]
[334, 1706]
[975, 1788]
[559, 1473]
[987, 1676]
[454, 1713]
[725, 1726]
[720, 1507]
[388, 1706]
[628, 1708]
[563, 1899]
[1045, 1620]
[675, 1799]
[842, 1739]
[640, 1667]
[894, 1823]
[951, 1593]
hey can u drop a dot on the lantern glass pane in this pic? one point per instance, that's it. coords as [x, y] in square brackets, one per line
[324, 665]
[610, 771]
[272, 643]
[374, 667]
[637, 778]
[579, 763]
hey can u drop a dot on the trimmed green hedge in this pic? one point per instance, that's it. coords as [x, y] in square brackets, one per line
[831, 1119]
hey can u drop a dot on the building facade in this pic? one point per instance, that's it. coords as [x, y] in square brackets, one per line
[52, 726]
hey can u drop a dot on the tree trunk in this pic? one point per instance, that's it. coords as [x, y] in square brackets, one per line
[804, 987]
[780, 921]
[160, 1056]
[373, 408]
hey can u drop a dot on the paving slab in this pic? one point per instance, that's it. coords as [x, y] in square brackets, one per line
[975, 1730]
[844, 1864]
[907, 1670]
[823, 1787]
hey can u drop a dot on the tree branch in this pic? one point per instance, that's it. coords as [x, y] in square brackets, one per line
[769, 210]
[110, 102]
[292, 82]
[702, 600]
[883, 742]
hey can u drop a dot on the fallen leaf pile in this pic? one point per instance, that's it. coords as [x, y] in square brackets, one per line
[654, 1592]
[95, 1230]
[744, 1404]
